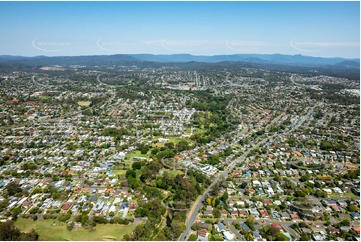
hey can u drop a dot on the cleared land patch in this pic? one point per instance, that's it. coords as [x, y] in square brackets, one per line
[84, 103]
[48, 231]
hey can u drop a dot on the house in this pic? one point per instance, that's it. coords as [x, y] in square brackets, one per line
[66, 206]
[267, 202]
[342, 204]
[240, 203]
[320, 230]
[245, 227]
[132, 207]
[343, 216]
[317, 215]
[333, 230]
[264, 213]
[236, 173]
[234, 212]
[228, 236]
[345, 228]
[253, 212]
[355, 215]
[208, 213]
[243, 213]
[123, 206]
[285, 215]
[276, 225]
[224, 213]
[275, 214]
[26, 204]
[306, 230]
[294, 216]
[335, 208]
[260, 191]
[256, 235]
[318, 237]
[202, 235]
[204, 225]
[220, 227]
[356, 229]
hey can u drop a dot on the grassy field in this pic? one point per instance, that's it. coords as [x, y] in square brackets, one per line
[119, 172]
[47, 231]
[136, 153]
[84, 103]
[173, 172]
[347, 195]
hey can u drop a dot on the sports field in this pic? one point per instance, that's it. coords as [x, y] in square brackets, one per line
[48, 231]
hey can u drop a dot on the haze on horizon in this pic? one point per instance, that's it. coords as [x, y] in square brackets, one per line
[323, 29]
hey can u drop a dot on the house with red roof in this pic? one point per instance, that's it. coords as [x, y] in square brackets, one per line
[276, 225]
[294, 216]
[356, 229]
[243, 213]
[264, 213]
[66, 206]
[234, 212]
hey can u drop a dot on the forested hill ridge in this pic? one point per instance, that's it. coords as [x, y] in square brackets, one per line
[248, 58]
[337, 67]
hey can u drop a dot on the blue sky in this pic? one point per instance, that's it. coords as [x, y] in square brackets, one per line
[326, 29]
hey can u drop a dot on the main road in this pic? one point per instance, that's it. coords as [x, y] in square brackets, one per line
[224, 174]
[221, 175]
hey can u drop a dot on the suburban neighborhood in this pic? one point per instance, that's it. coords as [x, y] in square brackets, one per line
[195, 154]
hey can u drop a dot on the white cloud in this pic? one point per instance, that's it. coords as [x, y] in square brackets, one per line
[328, 44]
[315, 46]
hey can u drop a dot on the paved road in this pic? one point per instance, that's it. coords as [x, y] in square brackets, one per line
[221, 175]
[224, 174]
[234, 231]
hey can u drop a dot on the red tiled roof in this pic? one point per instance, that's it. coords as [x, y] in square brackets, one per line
[66, 206]
[276, 225]
[202, 233]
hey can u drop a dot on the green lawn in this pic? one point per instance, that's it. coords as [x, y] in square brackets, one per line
[119, 172]
[136, 153]
[347, 195]
[47, 231]
[173, 172]
[174, 140]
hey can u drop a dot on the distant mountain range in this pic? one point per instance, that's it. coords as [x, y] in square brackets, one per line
[249, 58]
[294, 60]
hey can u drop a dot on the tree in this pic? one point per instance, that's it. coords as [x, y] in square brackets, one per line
[182, 145]
[176, 228]
[352, 208]
[126, 237]
[224, 197]
[144, 150]
[305, 237]
[250, 223]
[169, 145]
[136, 166]
[196, 226]
[130, 173]
[13, 188]
[192, 237]
[244, 185]
[345, 222]
[70, 226]
[8, 231]
[216, 213]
